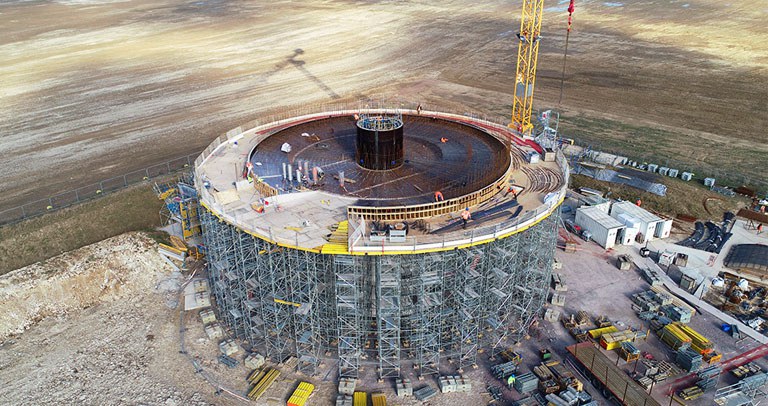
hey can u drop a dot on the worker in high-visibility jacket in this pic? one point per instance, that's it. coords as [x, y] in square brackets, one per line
[465, 216]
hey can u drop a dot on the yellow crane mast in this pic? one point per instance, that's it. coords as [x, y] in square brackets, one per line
[527, 59]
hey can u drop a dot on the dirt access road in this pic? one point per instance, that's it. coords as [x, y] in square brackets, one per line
[93, 89]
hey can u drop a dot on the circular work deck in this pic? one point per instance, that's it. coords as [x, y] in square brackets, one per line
[440, 155]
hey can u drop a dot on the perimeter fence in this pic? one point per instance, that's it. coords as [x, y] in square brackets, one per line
[94, 190]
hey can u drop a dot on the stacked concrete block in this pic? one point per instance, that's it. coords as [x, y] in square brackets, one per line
[403, 387]
[207, 316]
[254, 360]
[214, 331]
[347, 386]
[228, 347]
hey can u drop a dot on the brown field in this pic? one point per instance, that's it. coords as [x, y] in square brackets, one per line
[93, 89]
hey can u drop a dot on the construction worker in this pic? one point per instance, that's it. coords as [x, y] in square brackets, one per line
[465, 216]
[439, 196]
[639, 203]
[759, 228]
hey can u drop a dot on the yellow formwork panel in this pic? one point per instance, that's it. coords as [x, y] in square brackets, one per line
[598, 332]
[379, 399]
[360, 399]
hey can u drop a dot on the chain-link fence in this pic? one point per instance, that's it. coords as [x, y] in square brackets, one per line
[94, 190]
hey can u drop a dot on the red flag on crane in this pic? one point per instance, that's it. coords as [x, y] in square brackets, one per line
[571, 9]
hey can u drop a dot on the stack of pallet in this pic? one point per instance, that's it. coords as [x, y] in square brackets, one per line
[708, 377]
[424, 394]
[261, 381]
[746, 370]
[527, 382]
[692, 393]
[677, 314]
[612, 341]
[301, 394]
[547, 382]
[566, 378]
[674, 337]
[689, 359]
[652, 277]
[504, 371]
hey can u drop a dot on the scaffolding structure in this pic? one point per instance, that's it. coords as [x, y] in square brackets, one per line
[383, 312]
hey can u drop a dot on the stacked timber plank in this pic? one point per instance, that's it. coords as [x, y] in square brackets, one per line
[674, 337]
[378, 399]
[261, 381]
[612, 341]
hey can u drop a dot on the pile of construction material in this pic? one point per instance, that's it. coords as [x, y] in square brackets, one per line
[558, 282]
[569, 397]
[454, 383]
[744, 371]
[629, 352]
[649, 301]
[301, 395]
[680, 336]
[503, 371]
[526, 383]
[554, 378]
[652, 277]
[261, 380]
[689, 359]
[424, 394]
[346, 391]
[656, 371]
[403, 387]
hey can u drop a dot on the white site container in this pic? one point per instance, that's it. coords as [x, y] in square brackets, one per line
[686, 176]
[673, 173]
[631, 230]
[605, 229]
[648, 221]
[663, 171]
[652, 167]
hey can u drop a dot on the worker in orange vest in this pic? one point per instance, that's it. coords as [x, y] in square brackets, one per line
[639, 202]
[439, 196]
[465, 216]
[759, 228]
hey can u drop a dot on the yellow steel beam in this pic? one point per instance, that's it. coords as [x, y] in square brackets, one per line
[527, 59]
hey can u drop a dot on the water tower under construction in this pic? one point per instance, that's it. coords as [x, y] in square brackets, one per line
[382, 239]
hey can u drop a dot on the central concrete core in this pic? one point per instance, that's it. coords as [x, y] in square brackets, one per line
[379, 142]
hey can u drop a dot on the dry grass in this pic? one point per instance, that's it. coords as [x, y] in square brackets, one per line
[41, 238]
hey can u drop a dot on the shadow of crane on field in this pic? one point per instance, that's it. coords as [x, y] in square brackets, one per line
[299, 64]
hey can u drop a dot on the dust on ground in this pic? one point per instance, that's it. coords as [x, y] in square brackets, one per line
[92, 90]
